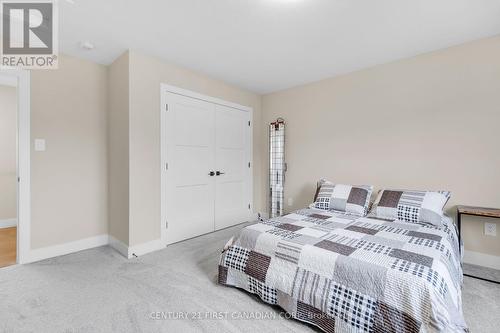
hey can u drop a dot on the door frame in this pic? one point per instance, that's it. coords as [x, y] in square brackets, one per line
[21, 79]
[164, 89]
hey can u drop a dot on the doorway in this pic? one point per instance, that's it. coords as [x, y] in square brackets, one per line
[14, 167]
[8, 172]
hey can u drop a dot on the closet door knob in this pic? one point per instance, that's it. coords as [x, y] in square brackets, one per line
[211, 174]
[218, 173]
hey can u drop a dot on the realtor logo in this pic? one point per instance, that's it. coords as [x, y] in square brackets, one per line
[29, 34]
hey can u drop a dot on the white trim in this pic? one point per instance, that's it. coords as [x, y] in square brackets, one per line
[8, 223]
[254, 217]
[8, 80]
[93, 242]
[119, 246]
[481, 259]
[164, 88]
[24, 167]
[145, 248]
[192, 94]
[163, 161]
[264, 215]
[137, 250]
[22, 78]
[250, 159]
[66, 248]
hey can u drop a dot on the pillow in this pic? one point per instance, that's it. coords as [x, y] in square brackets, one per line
[351, 199]
[411, 206]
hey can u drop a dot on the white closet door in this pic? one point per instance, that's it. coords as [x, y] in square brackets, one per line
[232, 154]
[190, 156]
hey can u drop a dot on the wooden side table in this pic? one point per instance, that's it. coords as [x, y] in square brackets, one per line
[475, 211]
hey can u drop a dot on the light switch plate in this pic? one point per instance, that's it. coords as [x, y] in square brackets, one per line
[39, 144]
[490, 229]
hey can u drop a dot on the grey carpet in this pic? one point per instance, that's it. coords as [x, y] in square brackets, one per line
[100, 291]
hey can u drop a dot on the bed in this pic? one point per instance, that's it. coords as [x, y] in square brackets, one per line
[346, 273]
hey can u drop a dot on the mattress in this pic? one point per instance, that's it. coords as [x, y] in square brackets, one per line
[345, 273]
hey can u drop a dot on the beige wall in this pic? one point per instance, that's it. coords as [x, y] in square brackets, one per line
[118, 148]
[8, 126]
[429, 122]
[146, 74]
[69, 180]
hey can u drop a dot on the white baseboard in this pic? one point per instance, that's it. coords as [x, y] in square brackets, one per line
[136, 250]
[66, 248]
[261, 214]
[8, 223]
[92, 242]
[119, 246]
[144, 248]
[481, 259]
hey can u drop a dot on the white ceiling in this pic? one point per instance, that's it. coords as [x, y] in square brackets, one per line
[269, 45]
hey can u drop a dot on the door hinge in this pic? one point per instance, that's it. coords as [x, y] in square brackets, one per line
[166, 166]
[166, 107]
[166, 224]
[249, 123]
[18, 179]
[249, 164]
[248, 206]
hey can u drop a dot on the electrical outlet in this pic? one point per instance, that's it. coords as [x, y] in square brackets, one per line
[490, 229]
[290, 202]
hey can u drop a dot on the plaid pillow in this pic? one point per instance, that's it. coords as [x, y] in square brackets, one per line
[411, 206]
[351, 199]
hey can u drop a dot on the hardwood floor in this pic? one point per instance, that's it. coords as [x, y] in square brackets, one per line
[8, 239]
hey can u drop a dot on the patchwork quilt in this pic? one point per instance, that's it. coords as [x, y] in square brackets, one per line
[345, 273]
